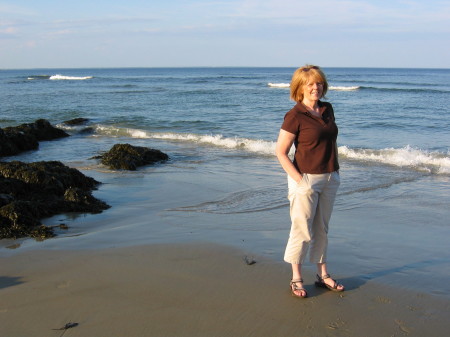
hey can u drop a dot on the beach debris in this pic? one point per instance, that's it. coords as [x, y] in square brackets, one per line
[32, 191]
[67, 326]
[249, 260]
[129, 157]
[14, 246]
[25, 137]
[60, 226]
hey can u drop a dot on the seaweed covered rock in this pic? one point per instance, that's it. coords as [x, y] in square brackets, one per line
[46, 175]
[18, 219]
[78, 199]
[129, 157]
[32, 191]
[25, 137]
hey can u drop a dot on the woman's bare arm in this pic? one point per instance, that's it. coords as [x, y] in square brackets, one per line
[284, 144]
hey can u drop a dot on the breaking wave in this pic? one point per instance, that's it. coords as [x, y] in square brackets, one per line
[279, 85]
[342, 88]
[261, 147]
[420, 160]
[433, 162]
[62, 77]
[58, 77]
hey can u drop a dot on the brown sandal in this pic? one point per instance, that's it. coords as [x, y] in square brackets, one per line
[320, 283]
[294, 288]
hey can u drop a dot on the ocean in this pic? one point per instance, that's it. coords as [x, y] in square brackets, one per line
[222, 183]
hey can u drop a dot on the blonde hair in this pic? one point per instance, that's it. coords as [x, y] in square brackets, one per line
[303, 76]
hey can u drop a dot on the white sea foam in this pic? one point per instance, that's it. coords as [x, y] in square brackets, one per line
[62, 77]
[426, 161]
[342, 88]
[250, 145]
[261, 147]
[336, 88]
[279, 85]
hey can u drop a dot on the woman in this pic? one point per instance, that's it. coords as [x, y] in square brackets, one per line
[313, 177]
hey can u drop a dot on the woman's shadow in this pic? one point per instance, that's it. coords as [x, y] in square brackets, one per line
[355, 282]
[7, 281]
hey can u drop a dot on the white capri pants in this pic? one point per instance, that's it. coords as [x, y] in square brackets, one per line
[311, 205]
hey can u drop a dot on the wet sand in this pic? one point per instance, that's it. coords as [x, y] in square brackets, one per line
[195, 289]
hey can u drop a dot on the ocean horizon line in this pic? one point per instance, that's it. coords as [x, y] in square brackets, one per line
[218, 67]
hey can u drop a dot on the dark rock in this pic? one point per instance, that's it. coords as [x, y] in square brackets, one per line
[128, 157]
[41, 129]
[79, 126]
[25, 137]
[87, 131]
[13, 142]
[32, 191]
[5, 199]
[76, 121]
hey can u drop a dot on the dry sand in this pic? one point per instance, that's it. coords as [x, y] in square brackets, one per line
[195, 290]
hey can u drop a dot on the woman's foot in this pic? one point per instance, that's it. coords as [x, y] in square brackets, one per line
[297, 289]
[327, 282]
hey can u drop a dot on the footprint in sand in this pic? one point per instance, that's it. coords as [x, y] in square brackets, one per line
[402, 327]
[336, 325]
[63, 285]
[381, 299]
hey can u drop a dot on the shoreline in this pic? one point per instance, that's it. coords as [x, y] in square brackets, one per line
[196, 289]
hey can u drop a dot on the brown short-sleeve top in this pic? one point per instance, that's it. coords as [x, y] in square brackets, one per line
[315, 142]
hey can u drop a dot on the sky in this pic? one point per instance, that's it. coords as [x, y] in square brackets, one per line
[215, 33]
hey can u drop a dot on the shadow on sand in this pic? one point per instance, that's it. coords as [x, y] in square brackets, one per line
[352, 283]
[6, 281]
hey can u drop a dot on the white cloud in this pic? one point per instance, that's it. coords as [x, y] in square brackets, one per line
[12, 10]
[388, 15]
[8, 30]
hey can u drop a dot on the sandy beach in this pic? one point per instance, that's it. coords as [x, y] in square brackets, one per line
[195, 289]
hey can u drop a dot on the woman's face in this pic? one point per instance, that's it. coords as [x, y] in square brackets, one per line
[313, 90]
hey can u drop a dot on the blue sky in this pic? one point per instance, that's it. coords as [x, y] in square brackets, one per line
[177, 33]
